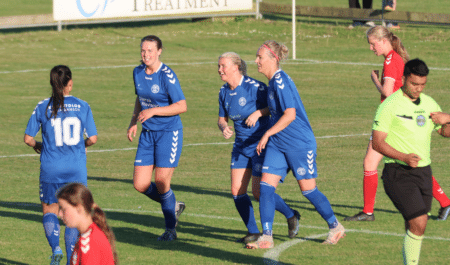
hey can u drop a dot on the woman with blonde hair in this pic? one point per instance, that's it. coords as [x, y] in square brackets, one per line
[96, 244]
[244, 100]
[384, 43]
[290, 145]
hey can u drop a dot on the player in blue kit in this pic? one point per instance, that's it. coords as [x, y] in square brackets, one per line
[290, 145]
[64, 120]
[159, 102]
[244, 100]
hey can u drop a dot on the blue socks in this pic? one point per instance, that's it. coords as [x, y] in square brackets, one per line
[282, 207]
[322, 205]
[51, 228]
[70, 238]
[152, 192]
[167, 201]
[168, 208]
[245, 209]
[267, 207]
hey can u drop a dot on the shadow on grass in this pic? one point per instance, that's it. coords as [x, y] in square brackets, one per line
[10, 262]
[175, 187]
[184, 242]
[306, 205]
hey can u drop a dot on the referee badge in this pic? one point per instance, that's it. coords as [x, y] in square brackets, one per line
[420, 120]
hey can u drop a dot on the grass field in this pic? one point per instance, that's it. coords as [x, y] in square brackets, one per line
[333, 78]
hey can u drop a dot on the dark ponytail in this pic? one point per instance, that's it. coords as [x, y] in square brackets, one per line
[60, 76]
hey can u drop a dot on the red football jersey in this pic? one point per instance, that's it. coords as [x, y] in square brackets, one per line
[92, 248]
[393, 69]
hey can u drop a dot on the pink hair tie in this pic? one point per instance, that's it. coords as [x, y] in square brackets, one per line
[274, 54]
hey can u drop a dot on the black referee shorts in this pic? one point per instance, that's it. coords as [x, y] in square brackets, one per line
[410, 189]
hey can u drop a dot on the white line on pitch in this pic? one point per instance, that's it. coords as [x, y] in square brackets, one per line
[271, 257]
[187, 145]
[238, 220]
[296, 61]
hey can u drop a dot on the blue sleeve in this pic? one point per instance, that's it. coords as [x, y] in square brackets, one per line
[34, 123]
[261, 96]
[222, 111]
[134, 80]
[90, 128]
[285, 94]
[172, 85]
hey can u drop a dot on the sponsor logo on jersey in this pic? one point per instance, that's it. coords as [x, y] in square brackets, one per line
[301, 171]
[242, 101]
[266, 168]
[138, 161]
[148, 78]
[233, 94]
[421, 120]
[155, 89]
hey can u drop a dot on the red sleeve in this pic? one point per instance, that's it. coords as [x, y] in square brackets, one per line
[391, 68]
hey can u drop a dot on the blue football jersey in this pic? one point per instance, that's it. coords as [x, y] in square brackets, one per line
[283, 94]
[63, 156]
[250, 95]
[159, 89]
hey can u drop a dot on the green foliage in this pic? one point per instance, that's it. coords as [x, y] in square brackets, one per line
[332, 75]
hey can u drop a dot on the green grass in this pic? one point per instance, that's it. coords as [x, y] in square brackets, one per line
[28, 7]
[340, 100]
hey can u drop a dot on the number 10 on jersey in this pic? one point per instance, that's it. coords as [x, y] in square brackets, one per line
[67, 131]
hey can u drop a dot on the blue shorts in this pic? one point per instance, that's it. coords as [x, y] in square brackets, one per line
[159, 148]
[302, 163]
[47, 191]
[238, 160]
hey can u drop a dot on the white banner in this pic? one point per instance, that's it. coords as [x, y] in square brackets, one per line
[95, 9]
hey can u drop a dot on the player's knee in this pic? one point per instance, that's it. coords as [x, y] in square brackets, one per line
[140, 187]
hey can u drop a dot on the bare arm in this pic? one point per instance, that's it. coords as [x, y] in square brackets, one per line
[387, 88]
[286, 119]
[132, 128]
[29, 140]
[227, 131]
[171, 110]
[379, 144]
[253, 118]
[90, 141]
[137, 109]
[444, 120]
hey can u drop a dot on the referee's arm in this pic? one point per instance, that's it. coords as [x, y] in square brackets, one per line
[379, 144]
